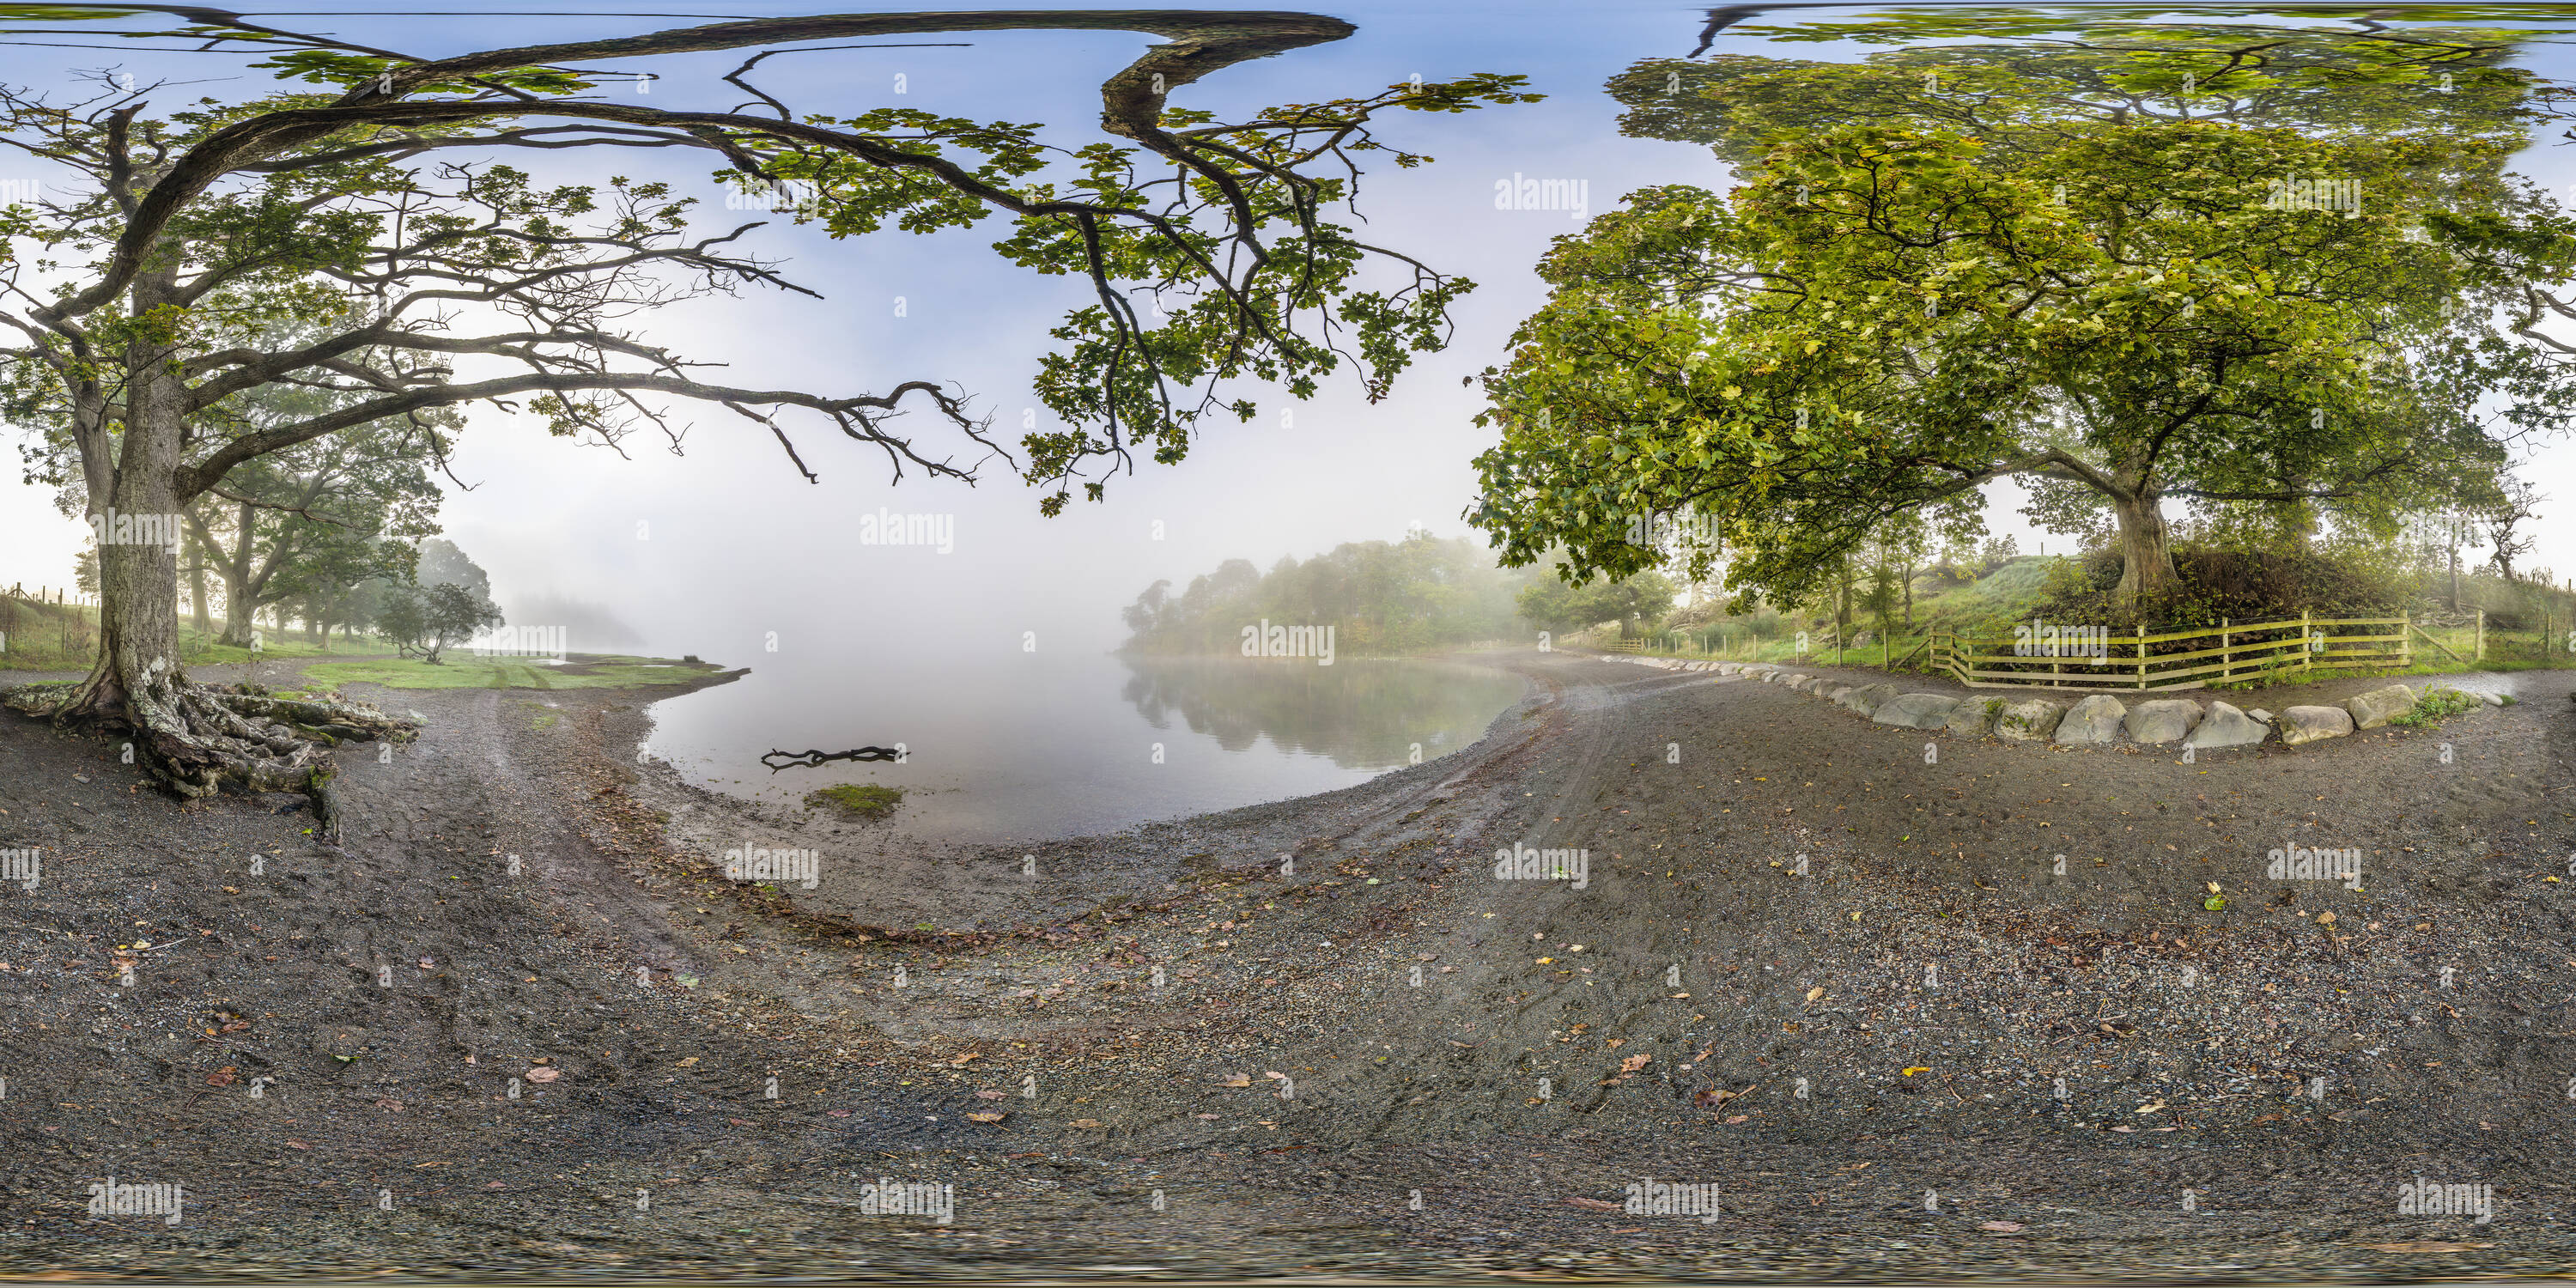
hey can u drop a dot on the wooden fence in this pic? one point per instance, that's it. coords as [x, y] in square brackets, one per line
[2053, 658]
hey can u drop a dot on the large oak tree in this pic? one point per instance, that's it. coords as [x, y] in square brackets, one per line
[2110, 270]
[371, 218]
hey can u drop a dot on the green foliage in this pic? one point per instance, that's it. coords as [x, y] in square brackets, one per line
[1381, 598]
[1147, 376]
[2083, 259]
[867, 800]
[1638, 602]
[2219, 584]
[2437, 704]
[427, 621]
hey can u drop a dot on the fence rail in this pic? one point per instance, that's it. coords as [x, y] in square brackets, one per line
[2241, 651]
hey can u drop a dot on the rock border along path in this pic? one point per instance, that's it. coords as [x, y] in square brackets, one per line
[2096, 719]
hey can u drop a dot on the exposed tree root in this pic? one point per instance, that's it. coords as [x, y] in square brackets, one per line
[197, 739]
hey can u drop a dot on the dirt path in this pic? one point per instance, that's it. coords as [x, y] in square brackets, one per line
[1930, 979]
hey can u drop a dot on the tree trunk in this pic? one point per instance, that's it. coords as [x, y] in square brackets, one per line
[237, 623]
[191, 739]
[197, 599]
[2146, 550]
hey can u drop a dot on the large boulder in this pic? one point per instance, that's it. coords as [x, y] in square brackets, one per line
[1866, 698]
[1833, 692]
[2226, 727]
[2163, 720]
[2377, 707]
[1974, 717]
[1729, 668]
[2307, 724]
[2095, 719]
[1915, 710]
[2029, 720]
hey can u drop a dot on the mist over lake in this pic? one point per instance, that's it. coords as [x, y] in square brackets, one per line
[1045, 745]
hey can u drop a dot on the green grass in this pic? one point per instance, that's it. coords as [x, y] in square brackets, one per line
[2436, 705]
[466, 671]
[867, 800]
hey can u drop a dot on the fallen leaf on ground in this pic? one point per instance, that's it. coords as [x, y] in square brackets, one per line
[984, 1118]
[1237, 1080]
[1596, 1205]
[1634, 1063]
[544, 1075]
[989, 1094]
[1086, 1122]
[2002, 1227]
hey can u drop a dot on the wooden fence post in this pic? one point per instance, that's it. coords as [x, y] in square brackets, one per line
[2140, 629]
[2307, 648]
[2482, 635]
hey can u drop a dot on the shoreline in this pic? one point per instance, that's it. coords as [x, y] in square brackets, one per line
[1912, 1081]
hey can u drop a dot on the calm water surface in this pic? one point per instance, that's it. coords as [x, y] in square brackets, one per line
[1049, 747]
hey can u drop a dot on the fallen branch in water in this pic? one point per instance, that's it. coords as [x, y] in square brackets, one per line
[809, 759]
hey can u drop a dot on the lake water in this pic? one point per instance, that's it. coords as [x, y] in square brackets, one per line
[1065, 746]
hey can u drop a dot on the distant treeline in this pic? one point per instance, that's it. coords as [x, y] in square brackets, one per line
[1380, 597]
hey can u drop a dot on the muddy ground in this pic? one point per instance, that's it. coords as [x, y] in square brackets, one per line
[1864, 1061]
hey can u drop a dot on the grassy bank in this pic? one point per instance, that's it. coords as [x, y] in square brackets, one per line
[465, 671]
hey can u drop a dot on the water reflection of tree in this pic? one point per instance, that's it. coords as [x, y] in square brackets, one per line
[1361, 715]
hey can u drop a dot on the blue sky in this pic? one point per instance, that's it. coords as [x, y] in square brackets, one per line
[737, 545]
